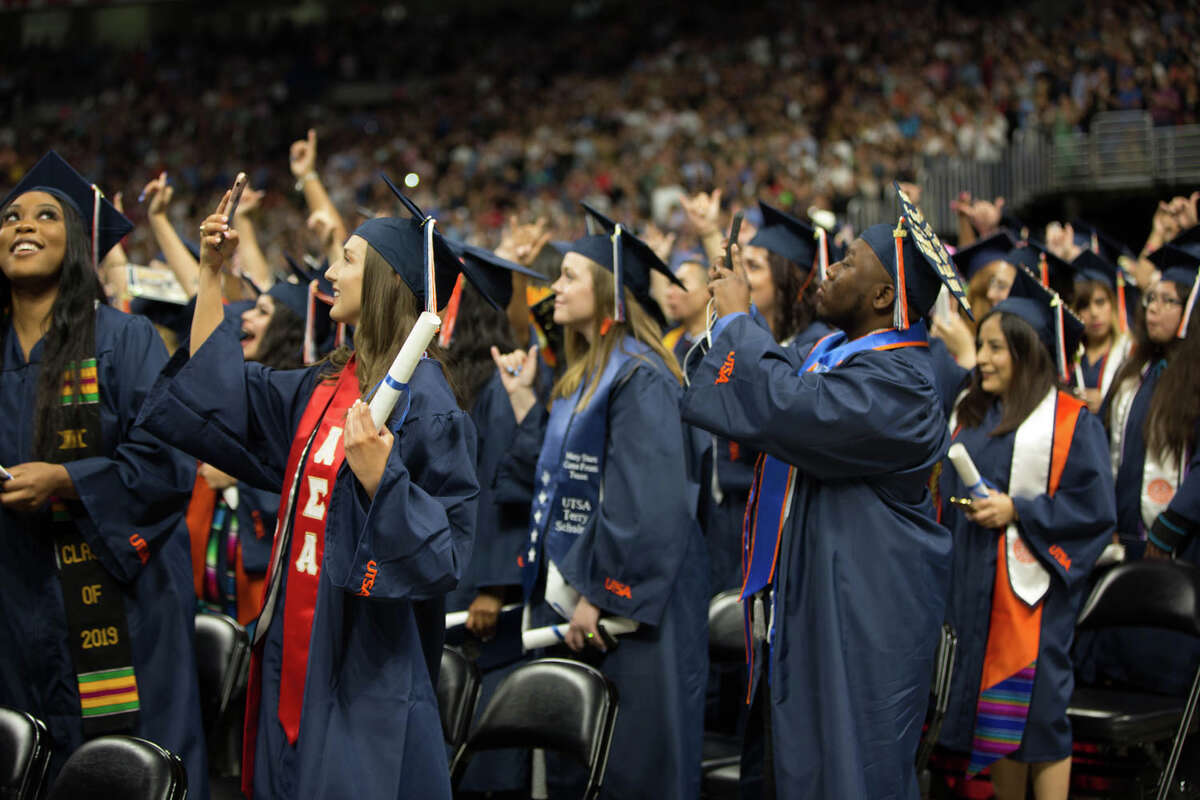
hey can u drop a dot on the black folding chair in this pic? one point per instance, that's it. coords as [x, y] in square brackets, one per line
[1143, 594]
[552, 704]
[939, 690]
[458, 688]
[121, 766]
[720, 765]
[222, 658]
[24, 754]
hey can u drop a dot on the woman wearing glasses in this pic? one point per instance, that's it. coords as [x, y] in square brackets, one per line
[1153, 421]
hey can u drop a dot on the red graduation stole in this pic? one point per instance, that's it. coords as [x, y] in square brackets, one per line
[322, 424]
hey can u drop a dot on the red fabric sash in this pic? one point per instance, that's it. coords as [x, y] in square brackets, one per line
[326, 412]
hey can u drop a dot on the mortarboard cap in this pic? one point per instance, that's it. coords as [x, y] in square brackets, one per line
[790, 237]
[926, 264]
[293, 294]
[1089, 237]
[415, 249]
[978, 255]
[631, 261]
[488, 272]
[1088, 266]
[597, 222]
[104, 225]
[1047, 267]
[1179, 261]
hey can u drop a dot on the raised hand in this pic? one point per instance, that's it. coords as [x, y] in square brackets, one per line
[523, 243]
[159, 193]
[218, 239]
[703, 211]
[660, 242]
[367, 448]
[303, 155]
[1060, 240]
[251, 200]
[985, 216]
[518, 370]
[322, 223]
[730, 288]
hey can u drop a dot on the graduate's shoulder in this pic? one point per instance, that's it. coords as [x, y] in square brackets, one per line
[907, 364]
[431, 392]
[646, 369]
[115, 328]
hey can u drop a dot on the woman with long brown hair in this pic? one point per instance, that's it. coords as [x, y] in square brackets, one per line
[613, 528]
[1022, 553]
[341, 693]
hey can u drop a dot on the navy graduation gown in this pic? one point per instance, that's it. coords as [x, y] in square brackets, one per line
[646, 536]
[501, 528]
[1078, 519]
[1152, 660]
[369, 722]
[862, 568]
[948, 376]
[138, 485]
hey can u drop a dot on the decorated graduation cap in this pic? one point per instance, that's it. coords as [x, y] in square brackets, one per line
[631, 261]
[415, 250]
[105, 225]
[1046, 312]
[978, 255]
[917, 261]
[795, 240]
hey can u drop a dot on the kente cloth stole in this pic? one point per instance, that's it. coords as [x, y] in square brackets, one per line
[769, 503]
[93, 600]
[1040, 449]
[570, 468]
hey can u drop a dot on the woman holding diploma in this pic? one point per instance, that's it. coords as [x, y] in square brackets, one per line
[614, 513]
[340, 696]
[1023, 552]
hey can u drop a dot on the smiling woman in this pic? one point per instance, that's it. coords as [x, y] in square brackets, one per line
[91, 522]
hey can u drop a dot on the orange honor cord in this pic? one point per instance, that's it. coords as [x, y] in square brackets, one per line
[1044, 270]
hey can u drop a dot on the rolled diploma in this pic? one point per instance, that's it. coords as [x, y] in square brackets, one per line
[456, 618]
[967, 473]
[536, 638]
[384, 401]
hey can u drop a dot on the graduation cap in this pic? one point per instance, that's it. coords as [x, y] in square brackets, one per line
[1089, 237]
[1090, 266]
[917, 261]
[1179, 262]
[793, 238]
[320, 333]
[596, 221]
[487, 272]
[631, 261]
[104, 225]
[415, 250]
[1047, 313]
[1049, 269]
[979, 254]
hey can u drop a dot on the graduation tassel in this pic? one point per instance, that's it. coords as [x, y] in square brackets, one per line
[1044, 270]
[1095, 243]
[822, 252]
[96, 196]
[1122, 316]
[900, 306]
[1064, 368]
[1188, 307]
[430, 280]
[618, 280]
[450, 318]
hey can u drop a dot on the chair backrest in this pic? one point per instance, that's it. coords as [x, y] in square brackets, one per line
[24, 754]
[120, 766]
[458, 689]
[1149, 593]
[222, 647]
[726, 628]
[553, 704]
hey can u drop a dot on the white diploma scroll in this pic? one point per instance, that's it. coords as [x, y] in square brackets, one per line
[536, 638]
[966, 470]
[457, 618]
[384, 401]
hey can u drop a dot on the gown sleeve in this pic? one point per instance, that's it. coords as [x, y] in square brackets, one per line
[626, 563]
[515, 473]
[876, 414]
[413, 540]
[1069, 530]
[1177, 526]
[237, 415]
[133, 497]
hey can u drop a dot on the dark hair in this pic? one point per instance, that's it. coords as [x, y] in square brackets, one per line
[282, 345]
[1085, 291]
[469, 357]
[70, 336]
[794, 311]
[1032, 376]
[1171, 421]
